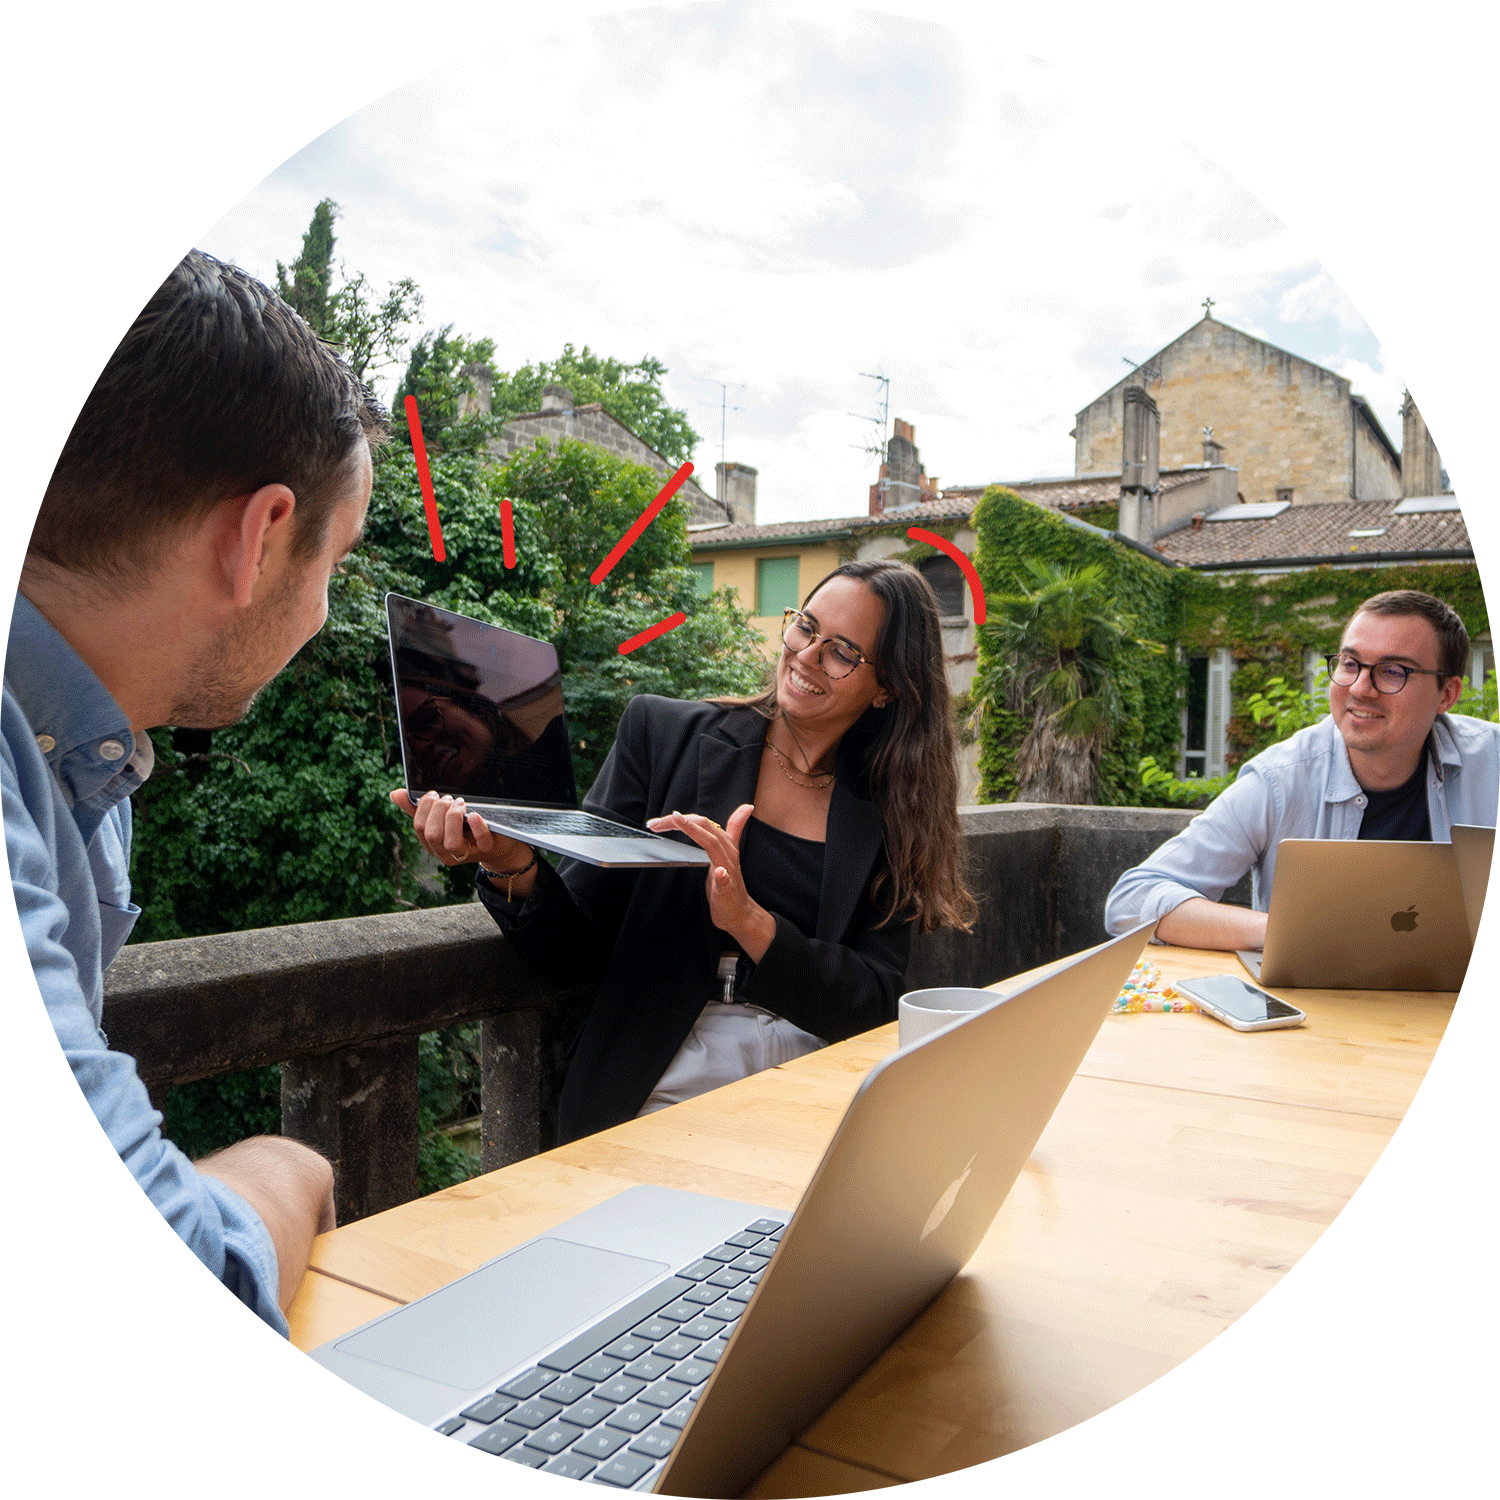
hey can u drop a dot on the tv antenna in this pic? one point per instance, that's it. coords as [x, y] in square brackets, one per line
[875, 445]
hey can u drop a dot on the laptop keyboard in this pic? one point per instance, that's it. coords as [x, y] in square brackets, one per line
[544, 821]
[609, 1404]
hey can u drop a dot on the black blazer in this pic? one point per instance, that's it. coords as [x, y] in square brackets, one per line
[646, 938]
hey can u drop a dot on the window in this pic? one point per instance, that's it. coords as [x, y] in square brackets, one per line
[776, 585]
[1205, 713]
[1284, 497]
[947, 582]
[703, 574]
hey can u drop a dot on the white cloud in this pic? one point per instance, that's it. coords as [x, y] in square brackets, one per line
[781, 203]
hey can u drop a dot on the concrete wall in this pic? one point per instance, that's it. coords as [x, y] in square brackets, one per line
[1283, 422]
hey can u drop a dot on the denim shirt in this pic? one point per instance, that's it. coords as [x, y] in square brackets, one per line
[1302, 788]
[68, 762]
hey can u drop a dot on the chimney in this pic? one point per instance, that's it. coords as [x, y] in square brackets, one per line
[1421, 464]
[735, 487]
[1213, 452]
[480, 395]
[556, 398]
[902, 482]
[1139, 466]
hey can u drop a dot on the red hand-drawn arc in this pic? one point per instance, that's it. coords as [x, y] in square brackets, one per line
[976, 588]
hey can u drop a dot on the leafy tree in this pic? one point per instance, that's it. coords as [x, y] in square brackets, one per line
[367, 331]
[439, 374]
[1051, 653]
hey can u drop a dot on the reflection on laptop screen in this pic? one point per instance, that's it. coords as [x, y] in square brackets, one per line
[481, 709]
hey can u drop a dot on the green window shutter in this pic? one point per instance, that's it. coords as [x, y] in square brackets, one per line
[704, 574]
[776, 585]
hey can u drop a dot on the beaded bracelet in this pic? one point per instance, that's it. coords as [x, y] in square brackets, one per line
[508, 876]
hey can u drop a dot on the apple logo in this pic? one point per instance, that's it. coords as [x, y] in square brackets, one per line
[944, 1205]
[1404, 921]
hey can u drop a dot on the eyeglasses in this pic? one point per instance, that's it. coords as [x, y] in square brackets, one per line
[837, 658]
[1386, 676]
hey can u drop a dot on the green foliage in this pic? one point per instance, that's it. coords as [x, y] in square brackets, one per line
[438, 374]
[630, 393]
[1287, 708]
[1160, 788]
[1267, 622]
[215, 1112]
[366, 331]
[1144, 720]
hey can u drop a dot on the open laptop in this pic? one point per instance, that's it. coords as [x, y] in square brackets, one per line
[1364, 914]
[480, 716]
[1474, 849]
[671, 1341]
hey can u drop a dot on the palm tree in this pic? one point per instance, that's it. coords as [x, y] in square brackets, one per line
[1050, 651]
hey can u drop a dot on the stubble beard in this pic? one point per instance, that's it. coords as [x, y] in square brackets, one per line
[223, 684]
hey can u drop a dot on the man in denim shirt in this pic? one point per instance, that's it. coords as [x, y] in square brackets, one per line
[218, 472]
[1389, 762]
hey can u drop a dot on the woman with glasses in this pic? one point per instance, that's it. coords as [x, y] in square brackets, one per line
[828, 807]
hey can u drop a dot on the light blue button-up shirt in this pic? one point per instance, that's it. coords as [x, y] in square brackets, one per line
[1303, 788]
[68, 763]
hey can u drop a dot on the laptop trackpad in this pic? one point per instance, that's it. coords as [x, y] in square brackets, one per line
[471, 1332]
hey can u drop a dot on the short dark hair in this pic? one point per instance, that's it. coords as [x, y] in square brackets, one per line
[218, 389]
[1453, 638]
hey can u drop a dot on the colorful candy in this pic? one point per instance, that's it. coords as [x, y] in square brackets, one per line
[1146, 991]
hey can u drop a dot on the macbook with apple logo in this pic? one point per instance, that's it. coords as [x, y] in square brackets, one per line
[671, 1341]
[1364, 914]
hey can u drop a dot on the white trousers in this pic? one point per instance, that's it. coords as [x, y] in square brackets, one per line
[728, 1042]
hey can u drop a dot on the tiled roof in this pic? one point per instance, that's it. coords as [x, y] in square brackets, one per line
[833, 526]
[1322, 532]
[1076, 493]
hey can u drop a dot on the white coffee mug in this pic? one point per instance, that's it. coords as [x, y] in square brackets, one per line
[921, 1012]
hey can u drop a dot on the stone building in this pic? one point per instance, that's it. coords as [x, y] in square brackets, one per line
[560, 418]
[1295, 431]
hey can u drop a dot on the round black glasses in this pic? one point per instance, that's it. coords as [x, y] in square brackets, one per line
[1387, 676]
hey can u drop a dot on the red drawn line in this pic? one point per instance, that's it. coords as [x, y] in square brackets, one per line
[627, 541]
[976, 589]
[507, 534]
[424, 476]
[647, 636]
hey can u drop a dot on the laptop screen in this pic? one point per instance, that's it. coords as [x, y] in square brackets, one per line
[481, 709]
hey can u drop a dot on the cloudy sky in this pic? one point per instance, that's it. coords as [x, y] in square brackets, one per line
[781, 203]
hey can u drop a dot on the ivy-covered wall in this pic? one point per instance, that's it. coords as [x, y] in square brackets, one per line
[1267, 622]
[1009, 528]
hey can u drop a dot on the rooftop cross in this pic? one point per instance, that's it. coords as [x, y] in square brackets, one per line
[1208, 302]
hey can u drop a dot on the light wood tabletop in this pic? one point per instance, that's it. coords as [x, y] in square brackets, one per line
[1187, 1169]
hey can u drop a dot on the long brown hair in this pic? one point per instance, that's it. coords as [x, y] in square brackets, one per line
[907, 753]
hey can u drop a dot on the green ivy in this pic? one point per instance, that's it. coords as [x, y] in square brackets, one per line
[1266, 622]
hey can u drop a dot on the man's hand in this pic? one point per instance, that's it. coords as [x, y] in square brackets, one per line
[291, 1187]
[1200, 923]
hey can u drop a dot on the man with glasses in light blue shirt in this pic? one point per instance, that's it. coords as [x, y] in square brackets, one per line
[217, 474]
[1389, 762]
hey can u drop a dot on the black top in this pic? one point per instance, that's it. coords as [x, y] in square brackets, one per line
[1400, 813]
[783, 873]
[646, 939]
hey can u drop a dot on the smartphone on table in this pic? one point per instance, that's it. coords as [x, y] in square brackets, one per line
[1238, 1004]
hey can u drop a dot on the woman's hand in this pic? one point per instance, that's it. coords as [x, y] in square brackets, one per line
[729, 903]
[454, 836]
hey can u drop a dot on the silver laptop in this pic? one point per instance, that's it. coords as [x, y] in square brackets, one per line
[670, 1341]
[1473, 848]
[480, 716]
[1364, 914]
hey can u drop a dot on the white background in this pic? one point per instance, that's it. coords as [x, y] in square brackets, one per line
[1370, 1368]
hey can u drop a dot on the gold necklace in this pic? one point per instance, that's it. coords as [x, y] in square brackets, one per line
[822, 779]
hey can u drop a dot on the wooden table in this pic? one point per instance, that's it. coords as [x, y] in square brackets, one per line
[1186, 1170]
